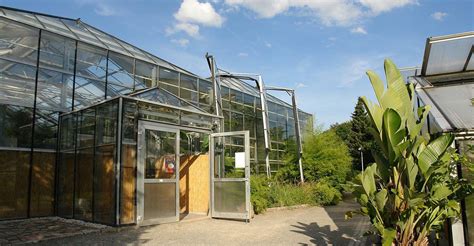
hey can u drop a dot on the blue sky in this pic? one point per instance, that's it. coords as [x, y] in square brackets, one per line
[320, 47]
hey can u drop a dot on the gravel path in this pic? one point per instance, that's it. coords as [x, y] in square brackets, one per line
[301, 226]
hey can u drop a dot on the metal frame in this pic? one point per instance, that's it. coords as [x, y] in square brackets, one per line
[141, 180]
[296, 118]
[214, 213]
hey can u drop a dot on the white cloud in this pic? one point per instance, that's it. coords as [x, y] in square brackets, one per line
[359, 30]
[439, 16]
[268, 45]
[329, 12]
[181, 42]
[191, 14]
[243, 54]
[192, 11]
[190, 29]
[105, 10]
[301, 85]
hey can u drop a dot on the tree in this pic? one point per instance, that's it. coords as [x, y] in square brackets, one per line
[409, 191]
[343, 130]
[360, 138]
[325, 158]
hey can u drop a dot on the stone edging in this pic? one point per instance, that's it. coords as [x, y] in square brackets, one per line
[287, 207]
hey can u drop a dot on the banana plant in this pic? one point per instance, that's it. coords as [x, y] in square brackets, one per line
[411, 189]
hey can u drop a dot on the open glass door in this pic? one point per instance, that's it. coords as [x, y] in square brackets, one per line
[158, 174]
[230, 175]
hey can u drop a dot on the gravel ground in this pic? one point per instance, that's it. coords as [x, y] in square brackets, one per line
[300, 226]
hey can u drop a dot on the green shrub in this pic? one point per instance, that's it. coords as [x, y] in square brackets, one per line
[259, 189]
[289, 194]
[324, 194]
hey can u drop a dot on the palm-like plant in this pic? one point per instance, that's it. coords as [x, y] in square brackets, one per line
[410, 190]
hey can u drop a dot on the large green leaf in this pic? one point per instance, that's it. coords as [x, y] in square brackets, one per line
[391, 133]
[433, 151]
[377, 84]
[388, 236]
[375, 112]
[380, 199]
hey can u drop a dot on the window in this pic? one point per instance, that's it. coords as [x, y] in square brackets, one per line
[57, 52]
[91, 62]
[145, 74]
[120, 72]
[18, 42]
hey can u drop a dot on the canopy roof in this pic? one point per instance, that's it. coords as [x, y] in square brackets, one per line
[448, 54]
[451, 105]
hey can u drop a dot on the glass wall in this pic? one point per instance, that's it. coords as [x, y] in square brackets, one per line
[86, 168]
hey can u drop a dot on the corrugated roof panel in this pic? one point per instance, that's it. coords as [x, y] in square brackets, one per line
[447, 54]
[454, 102]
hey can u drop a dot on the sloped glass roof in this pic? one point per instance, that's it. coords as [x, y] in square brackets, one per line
[163, 96]
[449, 54]
[78, 30]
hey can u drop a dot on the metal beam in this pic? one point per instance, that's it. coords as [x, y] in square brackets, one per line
[257, 78]
[296, 117]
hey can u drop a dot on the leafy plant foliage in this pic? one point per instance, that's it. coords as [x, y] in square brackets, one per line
[411, 188]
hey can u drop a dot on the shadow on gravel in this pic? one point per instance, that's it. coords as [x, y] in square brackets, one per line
[347, 232]
[323, 235]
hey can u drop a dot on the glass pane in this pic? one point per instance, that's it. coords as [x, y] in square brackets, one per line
[88, 92]
[18, 83]
[229, 196]
[57, 52]
[91, 62]
[54, 90]
[83, 34]
[160, 159]
[170, 88]
[169, 76]
[195, 120]
[46, 129]
[225, 149]
[42, 184]
[160, 200]
[15, 126]
[18, 42]
[86, 128]
[106, 123]
[130, 113]
[128, 187]
[157, 113]
[104, 189]
[84, 183]
[237, 122]
[120, 70]
[145, 73]
[14, 166]
[66, 184]
[188, 82]
[190, 96]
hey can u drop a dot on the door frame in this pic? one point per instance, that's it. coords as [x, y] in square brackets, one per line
[142, 126]
[226, 215]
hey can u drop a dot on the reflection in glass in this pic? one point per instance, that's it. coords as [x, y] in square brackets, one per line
[145, 73]
[169, 76]
[18, 42]
[160, 149]
[57, 52]
[18, 83]
[54, 90]
[120, 70]
[91, 62]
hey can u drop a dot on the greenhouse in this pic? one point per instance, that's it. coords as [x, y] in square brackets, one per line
[90, 124]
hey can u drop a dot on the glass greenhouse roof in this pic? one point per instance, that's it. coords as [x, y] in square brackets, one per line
[160, 95]
[78, 30]
[448, 54]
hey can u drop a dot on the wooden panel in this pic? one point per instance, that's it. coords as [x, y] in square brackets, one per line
[128, 184]
[194, 183]
[42, 187]
[13, 183]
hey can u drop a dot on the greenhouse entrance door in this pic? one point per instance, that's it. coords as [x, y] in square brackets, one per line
[158, 174]
[230, 175]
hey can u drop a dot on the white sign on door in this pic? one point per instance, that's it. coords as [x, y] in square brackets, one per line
[239, 159]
